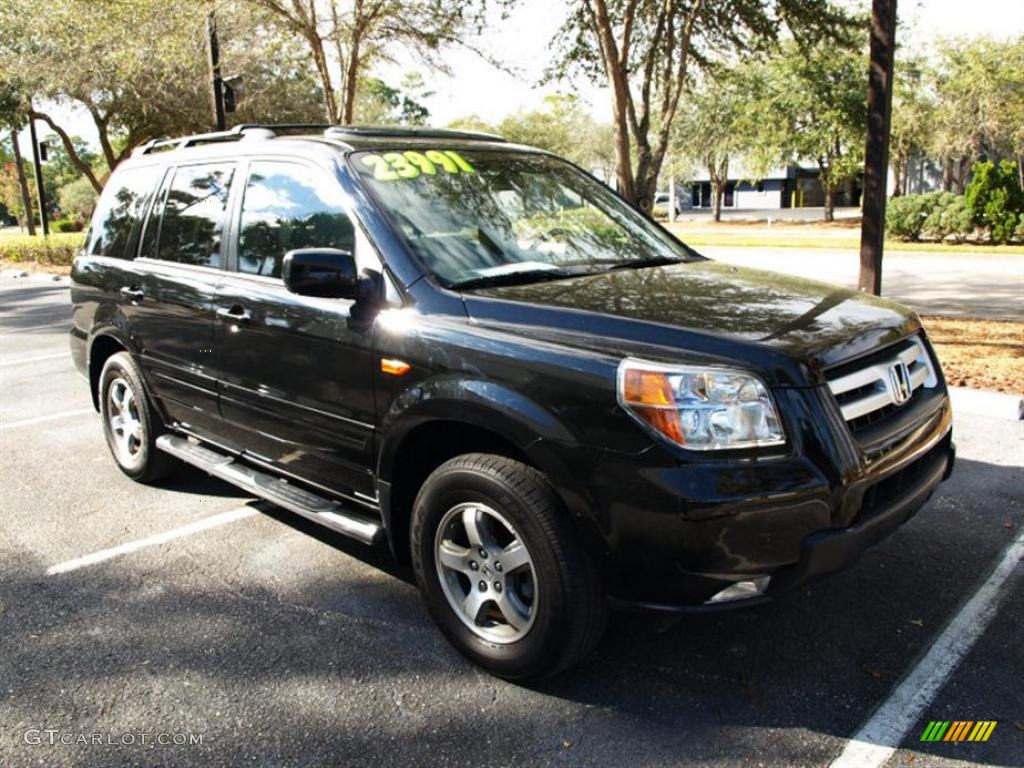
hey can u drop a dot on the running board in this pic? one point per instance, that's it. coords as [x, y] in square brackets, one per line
[327, 512]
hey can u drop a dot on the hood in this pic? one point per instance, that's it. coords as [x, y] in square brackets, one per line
[811, 322]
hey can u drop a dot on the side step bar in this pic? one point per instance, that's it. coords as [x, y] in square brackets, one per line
[327, 512]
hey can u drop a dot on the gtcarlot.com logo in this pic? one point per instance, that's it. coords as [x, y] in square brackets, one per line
[55, 736]
[958, 730]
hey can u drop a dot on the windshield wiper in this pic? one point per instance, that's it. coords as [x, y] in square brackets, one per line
[655, 261]
[512, 278]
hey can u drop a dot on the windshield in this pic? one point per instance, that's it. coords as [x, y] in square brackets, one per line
[487, 217]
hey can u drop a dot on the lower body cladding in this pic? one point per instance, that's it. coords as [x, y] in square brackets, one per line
[705, 537]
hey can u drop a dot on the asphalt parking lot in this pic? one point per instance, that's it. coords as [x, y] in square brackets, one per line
[281, 644]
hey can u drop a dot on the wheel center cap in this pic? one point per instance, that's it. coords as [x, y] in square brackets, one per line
[486, 570]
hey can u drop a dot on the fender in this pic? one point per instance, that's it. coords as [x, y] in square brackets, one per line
[475, 402]
[550, 445]
[110, 324]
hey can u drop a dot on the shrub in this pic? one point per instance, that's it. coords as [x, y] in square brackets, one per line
[55, 249]
[905, 216]
[949, 217]
[77, 199]
[68, 225]
[995, 199]
[1018, 233]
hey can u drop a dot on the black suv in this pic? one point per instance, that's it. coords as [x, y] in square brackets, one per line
[479, 354]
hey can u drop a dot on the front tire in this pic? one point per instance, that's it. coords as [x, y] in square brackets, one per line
[502, 570]
[130, 423]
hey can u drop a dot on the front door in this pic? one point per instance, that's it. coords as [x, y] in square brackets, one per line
[294, 374]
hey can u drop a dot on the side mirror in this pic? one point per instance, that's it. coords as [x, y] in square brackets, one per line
[329, 273]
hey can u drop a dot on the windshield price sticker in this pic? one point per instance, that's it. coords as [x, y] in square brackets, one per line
[396, 166]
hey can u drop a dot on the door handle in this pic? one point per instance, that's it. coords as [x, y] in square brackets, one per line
[235, 314]
[133, 294]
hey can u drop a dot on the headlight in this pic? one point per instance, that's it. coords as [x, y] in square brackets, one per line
[701, 409]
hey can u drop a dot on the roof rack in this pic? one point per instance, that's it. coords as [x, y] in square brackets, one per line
[398, 131]
[239, 132]
[269, 131]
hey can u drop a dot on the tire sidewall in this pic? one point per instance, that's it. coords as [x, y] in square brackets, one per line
[121, 366]
[538, 648]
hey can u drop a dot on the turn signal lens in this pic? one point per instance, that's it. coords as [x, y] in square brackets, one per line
[700, 409]
[394, 367]
[642, 387]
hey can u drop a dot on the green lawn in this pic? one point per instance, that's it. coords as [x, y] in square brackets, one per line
[742, 237]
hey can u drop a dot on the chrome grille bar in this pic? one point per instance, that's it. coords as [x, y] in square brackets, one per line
[890, 381]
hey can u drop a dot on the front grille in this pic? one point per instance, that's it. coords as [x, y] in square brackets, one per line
[874, 388]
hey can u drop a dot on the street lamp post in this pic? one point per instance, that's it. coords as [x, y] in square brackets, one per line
[40, 188]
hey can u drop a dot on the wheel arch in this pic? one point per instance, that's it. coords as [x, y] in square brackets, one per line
[434, 430]
[101, 348]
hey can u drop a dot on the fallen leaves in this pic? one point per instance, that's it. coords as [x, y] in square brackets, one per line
[983, 354]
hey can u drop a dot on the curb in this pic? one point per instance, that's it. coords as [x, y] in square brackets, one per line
[980, 402]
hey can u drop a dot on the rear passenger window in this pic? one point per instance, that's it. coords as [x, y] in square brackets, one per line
[193, 214]
[288, 206]
[115, 224]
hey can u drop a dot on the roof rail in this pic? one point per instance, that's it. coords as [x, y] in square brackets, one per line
[270, 130]
[399, 131]
[238, 132]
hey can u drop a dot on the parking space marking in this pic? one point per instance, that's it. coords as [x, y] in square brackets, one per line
[36, 359]
[161, 538]
[43, 419]
[881, 735]
[15, 331]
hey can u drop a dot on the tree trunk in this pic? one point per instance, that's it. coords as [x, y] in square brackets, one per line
[830, 204]
[26, 200]
[69, 147]
[947, 174]
[898, 173]
[717, 191]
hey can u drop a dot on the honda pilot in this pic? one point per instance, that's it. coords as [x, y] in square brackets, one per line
[480, 356]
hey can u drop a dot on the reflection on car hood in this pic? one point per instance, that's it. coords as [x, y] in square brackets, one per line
[803, 318]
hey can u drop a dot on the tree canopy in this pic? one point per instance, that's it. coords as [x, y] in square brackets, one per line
[646, 51]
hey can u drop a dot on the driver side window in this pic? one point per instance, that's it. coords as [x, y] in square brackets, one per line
[288, 206]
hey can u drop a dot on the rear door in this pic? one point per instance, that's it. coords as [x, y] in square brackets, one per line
[181, 260]
[295, 374]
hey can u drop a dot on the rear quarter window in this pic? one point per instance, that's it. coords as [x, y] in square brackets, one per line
[115, 225]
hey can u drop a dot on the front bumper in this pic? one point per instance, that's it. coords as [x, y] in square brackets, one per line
[791, 520]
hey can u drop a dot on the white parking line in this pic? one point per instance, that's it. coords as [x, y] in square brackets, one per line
[879, 737]
[36, 359]
[13, 331]
[161, 538]
[43, 419]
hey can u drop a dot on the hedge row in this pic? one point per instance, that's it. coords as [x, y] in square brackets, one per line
[57, 249]
[992, 205]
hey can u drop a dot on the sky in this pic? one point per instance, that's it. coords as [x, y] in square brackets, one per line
[522, 43]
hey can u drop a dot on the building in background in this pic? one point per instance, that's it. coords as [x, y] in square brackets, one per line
[791, 186]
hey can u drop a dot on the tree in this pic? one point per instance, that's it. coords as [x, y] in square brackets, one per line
[913, 119]
[980, 113]
[815, 103]
[717, 124]
[644, 50]
[345, 38]
[151, 82]
[561, 126]
[381, 104]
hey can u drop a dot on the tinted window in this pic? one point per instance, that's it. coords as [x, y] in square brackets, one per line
[509, 216]
[288, 206]
[193, 215]
[115, 223]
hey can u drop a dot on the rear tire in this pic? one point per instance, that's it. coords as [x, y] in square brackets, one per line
[534, 615]
[130, 423]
